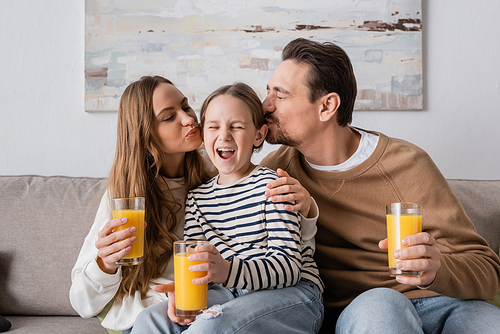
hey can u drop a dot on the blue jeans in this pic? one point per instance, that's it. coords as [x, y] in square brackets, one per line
[296, 309]
[384, 310]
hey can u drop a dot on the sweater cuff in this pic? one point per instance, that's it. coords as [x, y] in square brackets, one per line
[308, 225]
[313, 211]
[99, 277]
[234, 273]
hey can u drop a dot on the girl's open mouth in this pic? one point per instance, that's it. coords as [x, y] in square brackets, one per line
[225, 153]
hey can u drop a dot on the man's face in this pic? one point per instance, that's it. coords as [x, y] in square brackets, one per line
[289, 114]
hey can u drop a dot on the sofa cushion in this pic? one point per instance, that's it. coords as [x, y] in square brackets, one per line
[496, 299]
[44, 221]
[35, 272]
[480, 200]
[54, 324]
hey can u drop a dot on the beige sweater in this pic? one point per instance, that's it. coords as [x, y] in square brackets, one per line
[352, 222]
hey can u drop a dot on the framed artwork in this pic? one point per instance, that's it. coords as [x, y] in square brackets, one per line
[202, 45]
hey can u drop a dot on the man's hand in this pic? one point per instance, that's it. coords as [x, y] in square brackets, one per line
[169, 289]
[294, 191]
[421, 255]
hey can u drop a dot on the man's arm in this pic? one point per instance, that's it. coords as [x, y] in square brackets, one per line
[460, 262]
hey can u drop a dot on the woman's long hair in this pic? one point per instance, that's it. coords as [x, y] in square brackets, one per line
[136, 173]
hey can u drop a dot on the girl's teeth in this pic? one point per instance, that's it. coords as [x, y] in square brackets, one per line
[225, 153]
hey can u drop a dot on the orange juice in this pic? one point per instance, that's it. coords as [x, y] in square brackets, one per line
[135, 219]
[398, 227]
[190, 298]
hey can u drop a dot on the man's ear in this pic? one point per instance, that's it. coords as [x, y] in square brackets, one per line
[260, 136]
[329, 106]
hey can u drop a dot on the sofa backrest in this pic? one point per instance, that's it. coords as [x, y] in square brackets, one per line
[481, 201]
[43, 221]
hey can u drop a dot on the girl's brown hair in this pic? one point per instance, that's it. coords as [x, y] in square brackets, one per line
[246, 94]
[136, 173]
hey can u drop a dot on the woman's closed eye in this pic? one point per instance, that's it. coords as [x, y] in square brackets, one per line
[168, 118]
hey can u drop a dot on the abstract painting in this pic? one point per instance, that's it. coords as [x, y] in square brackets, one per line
[202, 45]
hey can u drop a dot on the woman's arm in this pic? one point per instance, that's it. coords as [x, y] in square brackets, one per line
[92, 288]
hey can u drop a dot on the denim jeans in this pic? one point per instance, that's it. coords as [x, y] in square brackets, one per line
[387, 311]
[296, 309]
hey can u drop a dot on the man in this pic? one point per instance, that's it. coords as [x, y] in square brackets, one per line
[353, 174]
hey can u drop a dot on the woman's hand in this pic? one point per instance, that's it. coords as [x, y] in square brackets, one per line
[113, 246]
[294, 192]
[169, 289]
[421, 254]
[216, 266]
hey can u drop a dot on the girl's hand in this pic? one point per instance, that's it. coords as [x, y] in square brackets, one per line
[113, 246]
[216, 266]
[294, 192]
[169, 289]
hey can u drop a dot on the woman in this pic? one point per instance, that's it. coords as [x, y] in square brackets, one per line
[156, 158]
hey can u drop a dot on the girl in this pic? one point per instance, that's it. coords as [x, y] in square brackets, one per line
[260, 241]
[156, 158]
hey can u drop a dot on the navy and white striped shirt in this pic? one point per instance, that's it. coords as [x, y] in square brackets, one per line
[260, 238]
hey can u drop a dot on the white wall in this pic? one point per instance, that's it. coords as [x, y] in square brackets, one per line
[45, 130]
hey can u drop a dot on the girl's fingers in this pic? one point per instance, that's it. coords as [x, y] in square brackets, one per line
[204, 248]
[202, 280]
[200, 267]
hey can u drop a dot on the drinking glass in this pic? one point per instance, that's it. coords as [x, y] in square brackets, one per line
[403, 219]
[190, 299]
[133, 209]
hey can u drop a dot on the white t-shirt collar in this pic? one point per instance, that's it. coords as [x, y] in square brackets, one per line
[366, 147]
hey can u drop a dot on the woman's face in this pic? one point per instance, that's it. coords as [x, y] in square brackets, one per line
[175, 130]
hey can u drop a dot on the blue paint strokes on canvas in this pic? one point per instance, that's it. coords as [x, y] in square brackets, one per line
[411, 85]
[203, 45]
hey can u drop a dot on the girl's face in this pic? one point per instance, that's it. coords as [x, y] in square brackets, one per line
[175, 130]
[229, 135]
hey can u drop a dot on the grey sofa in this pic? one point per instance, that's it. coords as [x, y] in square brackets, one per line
[43, 223]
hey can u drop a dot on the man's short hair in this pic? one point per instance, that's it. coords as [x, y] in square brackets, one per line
[330, 71]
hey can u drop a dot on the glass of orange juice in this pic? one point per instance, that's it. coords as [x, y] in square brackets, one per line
[190, 299]
[403, 219]
[133, 209]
